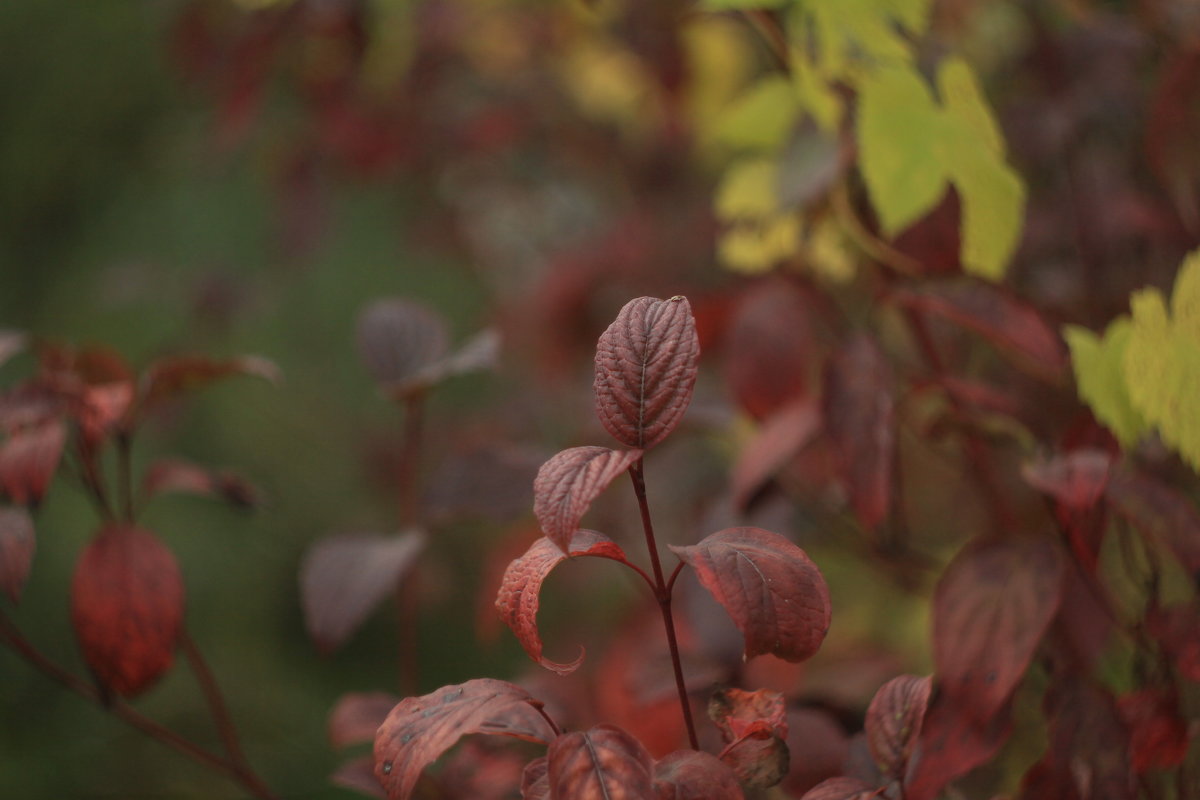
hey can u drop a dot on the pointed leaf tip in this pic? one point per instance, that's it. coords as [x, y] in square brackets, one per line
[567, 484]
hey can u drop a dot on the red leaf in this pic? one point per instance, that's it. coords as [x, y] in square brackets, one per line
[535, 780]
[953, 742]
[990, 609]
[170, 377]
[127, 607]
[12, 343]
[1076, 480]
[774, 593]
[28, 459]
[768, 354]
[759, 758]
[818, 749]
[777, 441]
[842, 789]
[1011, 324]
[736, 712]
[357, 716]
[694, 775]
[343, 578]
[1159, 511]
[17, 545]
[567, 484]
[517, 601]
[482, 769]
[894, 719]
[178, 475]
[419, 729]
[859, 417]
[358, 775]
[646, 364]
[102, 407]
[398, 339]
[1177, 629]
[1158, 735]
[604, 762]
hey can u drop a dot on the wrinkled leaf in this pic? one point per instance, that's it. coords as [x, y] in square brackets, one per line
[894, 719]
[28, 459]
[17, 545]
[127, 607]
[535, 780]
[419, 729]
[344, 577]
[694, 775]
[991, 606]
[604, 762]
[781, 436]
[646, 364]
[772, 591]
[567, 484]
[1160, 512]
[357, 715]
[518, 598]
[735, 712]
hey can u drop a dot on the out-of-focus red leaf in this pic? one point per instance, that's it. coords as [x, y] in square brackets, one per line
[860, 420]
[953, 742]
[1171, 129]
[818, 749]
[774, 593]
[1085, 618]
[178, 475]
[893, 723]
[356, 716]
[17, 545]
[489, 481]
[127, 607]
[842, 789]
[603, 762]
[990, 609]
[101, 407]
[694, 775]
[517, 601]
[982, 396]
[1158, 735]
[735, 712]
[358, 775]
[482, 769]
[419, 729]
[567, 484]
[1013, 325]
[1076, 479]
[28, 459]
[31, 404]
[343, 578]
[1158, 511]
[768, 356]
[535, 780]
[170, 377]
[12, 343]
[759, 758]
[398, 339]
[782, 434]
[646, 365]
[1177, 629]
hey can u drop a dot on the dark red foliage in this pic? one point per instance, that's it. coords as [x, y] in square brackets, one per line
[17, 545]
[567, 484]
[894, 721]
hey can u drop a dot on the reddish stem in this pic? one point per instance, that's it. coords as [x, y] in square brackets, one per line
[662, 593]
[408, 498]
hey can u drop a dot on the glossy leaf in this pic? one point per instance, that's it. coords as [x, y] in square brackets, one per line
[694, 775]
[518, 598]
[604, 762]
[127, 607]
[567, 484]
[646, 364]
[954, 740]
[860, 421]
[774, 593]
[781, 436]
[344, 577]
[768, 358]
[28, 460]
[356, 716]
[419, 729]
[991, 606]
[842, 789]
[1160, 512]
[17, 545]
[894, 720]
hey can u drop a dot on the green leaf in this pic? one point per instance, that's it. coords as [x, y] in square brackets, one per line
[748, 189]
[762, 116]
[963, 100]
[912, 14]
[757, 247]
[730, 5]
[1099, 375]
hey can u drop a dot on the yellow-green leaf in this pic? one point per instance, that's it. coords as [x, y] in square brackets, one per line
[762, 117]
[748, 189]
[962, 98]
[757, 247]
[1185, 299]
[1099, 366]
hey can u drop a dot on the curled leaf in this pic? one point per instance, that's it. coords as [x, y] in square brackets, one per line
[755, 727]
[604, 762]
[17, 545]
[517, 601]
[774, 593]
[178, 475]
[567, 484]
[646, 364]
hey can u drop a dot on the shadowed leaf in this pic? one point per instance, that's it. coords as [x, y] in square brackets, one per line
[517, 601]
[1158, 735]
[398, 339]
[1177, 629]
[646, 363]
[604, 762]
[535, 780]
[170, 377]
[567, 484]
[357, 716]
[17, 545]
[694, 775]
[127, 607]
[781, 436]
[178, 475]
[28, 459]
[768, 357]
[419, 729]
[736, 712]
[893, 721]
[358, 775]
[774, 593]
[953, 742]
[1160, 512]
[344, 577]
[842, 789]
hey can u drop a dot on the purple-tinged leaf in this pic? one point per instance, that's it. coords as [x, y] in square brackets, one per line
[604, 762]
[646, 364]
[357, 715]
[398, 339]
[517, 601]
[1077, 479]
[535, 780]
[953, 742]
[1159, 511]
[419, 729]
[695, 775]
[28, 459]
[894, 719]
[843, 789]
[343, 578]
[17, 545]
[783, 434]
[567, 484]
[772, 591]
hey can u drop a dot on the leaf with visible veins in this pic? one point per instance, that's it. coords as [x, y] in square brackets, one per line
[604, 762]
[567, 484]
[894, 719]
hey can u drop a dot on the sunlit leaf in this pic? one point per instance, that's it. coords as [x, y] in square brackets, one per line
[1099, 365]
[762, 116]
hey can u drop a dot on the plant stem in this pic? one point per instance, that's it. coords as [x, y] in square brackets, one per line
[93, 481]
[127, 713]
[125, 474]
[662, 593]
[408, 497]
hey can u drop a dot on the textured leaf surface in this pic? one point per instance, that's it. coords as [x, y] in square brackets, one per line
[778, 440]
[894, 719]
[842, 789]
[860, 420]
[646, 370]
[755, 728]
[1160, 512]
[419, 729]
[356, 716]
[1099, 366]
[567, 484]
[694, 775]
[604, 763]
[990, 609]
[127, 607]
[518, 598]
[774, 593]
[344, 577]
[28, 459]
[535, 780]
[17, 545]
